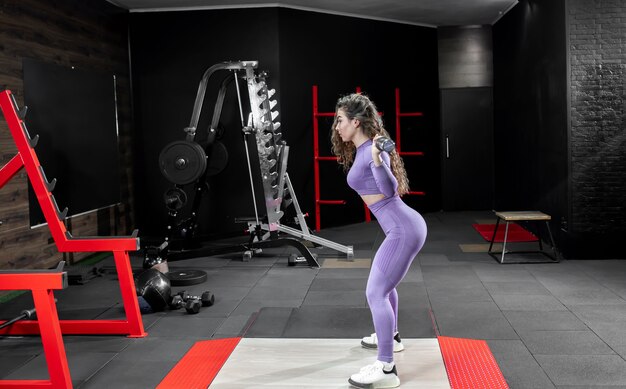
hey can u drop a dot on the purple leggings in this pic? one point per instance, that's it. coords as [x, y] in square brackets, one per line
[405, 232]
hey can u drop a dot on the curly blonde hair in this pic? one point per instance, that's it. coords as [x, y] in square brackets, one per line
[359, 106]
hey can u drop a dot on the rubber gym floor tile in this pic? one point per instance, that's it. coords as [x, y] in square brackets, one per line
[342, 263]
[185, 325]
[350, 322]
[519, 367]
[82, 313]
[252, 305]
[544, 321]
[516, 287]
[354, 298]
[564, 343]
[473, 320]
[426, 259]
[269, 323]
[108, 344]
[343, 273]
[10, 362]
[235, 276]
[586, 295]
[234, 326]
[337, 284]
[153, 348]
[328, 322]
[278, 291]
[528, 303]
[130, 374]
[497, 273]
[450, 276]
[584, 369]
[81, 366]
[413, 295]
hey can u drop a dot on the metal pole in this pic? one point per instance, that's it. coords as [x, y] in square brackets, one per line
[245, 143]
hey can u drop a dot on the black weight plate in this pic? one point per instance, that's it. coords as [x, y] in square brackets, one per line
[182, 162]
[186, 277]
[218, 159]
[175, 198]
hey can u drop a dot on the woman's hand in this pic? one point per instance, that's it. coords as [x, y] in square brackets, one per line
[376, 152]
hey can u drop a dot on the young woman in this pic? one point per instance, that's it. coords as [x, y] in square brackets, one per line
[379, 177]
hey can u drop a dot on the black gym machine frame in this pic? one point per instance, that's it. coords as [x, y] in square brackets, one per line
[185, 162]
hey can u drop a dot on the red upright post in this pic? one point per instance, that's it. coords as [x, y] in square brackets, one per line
[317, 158]
[42, 285]
[399, 115]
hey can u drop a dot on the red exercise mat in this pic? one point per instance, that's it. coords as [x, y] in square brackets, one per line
[470, 364]
[198, 368]
[516, 233]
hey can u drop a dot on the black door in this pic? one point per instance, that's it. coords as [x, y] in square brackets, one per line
[467, 141]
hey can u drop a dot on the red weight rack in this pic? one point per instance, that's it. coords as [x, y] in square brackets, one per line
[400, 115]
[42, 284]
[65, 242]
[317, 158]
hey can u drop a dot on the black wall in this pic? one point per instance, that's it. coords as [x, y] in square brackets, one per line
[530, 104]
[338, 54]
[170, 51]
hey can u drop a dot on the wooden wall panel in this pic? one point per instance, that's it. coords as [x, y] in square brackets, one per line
[91, 35]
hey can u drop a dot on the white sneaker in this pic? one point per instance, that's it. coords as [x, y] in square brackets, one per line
[372, 342]
[374, 377]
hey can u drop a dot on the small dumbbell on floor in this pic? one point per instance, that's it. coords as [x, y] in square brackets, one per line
[192, 303]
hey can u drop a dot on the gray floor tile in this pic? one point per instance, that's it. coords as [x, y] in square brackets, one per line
[234, 326]
[10, 363]
[450, 276]
[544, 320]
[528, 303]
[564, 343]
[429, 259]
[185, 325]
[234, 276]
[338, 284]
[461, 293]
[584, 369]
[153, 348]
[516, 287]
[129, 374]
[329, 322]
[343, 273]
[269, 323]
[250, 306]
[503, 274]
[336, 298]
[81, 366]
[475, 320]
[518, 366]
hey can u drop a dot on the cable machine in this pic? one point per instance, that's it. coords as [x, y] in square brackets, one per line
[188, 162]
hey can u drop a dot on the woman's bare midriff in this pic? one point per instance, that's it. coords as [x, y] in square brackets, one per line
[373, 198]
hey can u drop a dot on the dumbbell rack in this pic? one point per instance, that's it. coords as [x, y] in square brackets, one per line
[120, 246]
[271, 188]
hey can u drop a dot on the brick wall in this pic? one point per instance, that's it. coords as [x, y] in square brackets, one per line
[597, 41]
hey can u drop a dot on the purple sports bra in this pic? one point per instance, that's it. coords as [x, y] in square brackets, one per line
[366, 178]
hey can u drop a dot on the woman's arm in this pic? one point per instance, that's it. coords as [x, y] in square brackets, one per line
[385, 180]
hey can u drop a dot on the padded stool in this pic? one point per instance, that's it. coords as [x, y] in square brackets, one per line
[530, 216]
